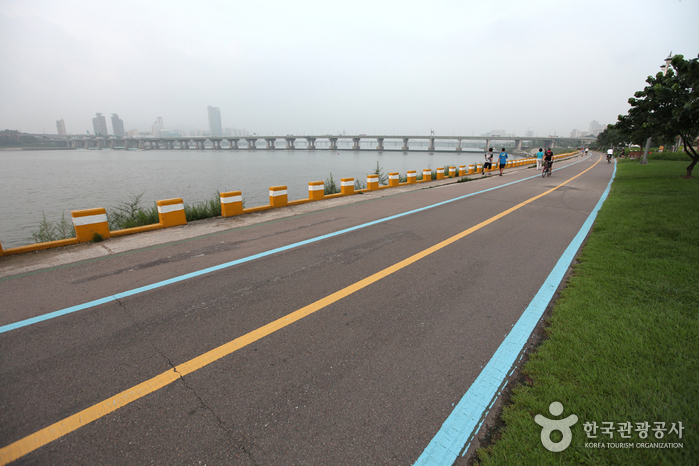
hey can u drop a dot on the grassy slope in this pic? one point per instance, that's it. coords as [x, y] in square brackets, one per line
[624, 336]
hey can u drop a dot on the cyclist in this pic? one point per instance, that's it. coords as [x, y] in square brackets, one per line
[548, 161]
[610, 153]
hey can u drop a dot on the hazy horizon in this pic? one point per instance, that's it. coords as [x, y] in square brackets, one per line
[458, 68]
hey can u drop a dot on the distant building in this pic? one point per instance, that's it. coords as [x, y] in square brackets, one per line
[117, 126]
[61, 127]
[215, 121]
[158, 127]
[99, 124]
[235, 132]
[530, 134]
[595, 128]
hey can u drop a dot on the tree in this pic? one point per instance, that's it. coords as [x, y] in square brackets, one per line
[610, 137]
[667, 108]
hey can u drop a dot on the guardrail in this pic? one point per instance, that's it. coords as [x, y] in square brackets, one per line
[92, 225]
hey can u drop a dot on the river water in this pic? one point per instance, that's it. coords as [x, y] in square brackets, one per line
[56, 182]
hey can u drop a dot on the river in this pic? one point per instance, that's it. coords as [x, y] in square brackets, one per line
[55, 182]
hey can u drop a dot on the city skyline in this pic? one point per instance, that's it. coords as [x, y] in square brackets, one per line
[456, 67]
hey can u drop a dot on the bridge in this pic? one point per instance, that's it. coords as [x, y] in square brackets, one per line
[331, 142]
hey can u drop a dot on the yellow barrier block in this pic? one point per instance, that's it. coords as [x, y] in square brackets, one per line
[440, 173]
[316, 190]
[89, 222]
[471, 169]
[372, 182]
[412, 176]
[452, 172]
[171, 212]
[231, 203]
[347, 186]
[278, 196]
[1, 253]
[393, 179]
[426, 174]
[479, 167]
[462, 170]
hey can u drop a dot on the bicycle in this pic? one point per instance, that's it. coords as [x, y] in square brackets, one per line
[546, 171]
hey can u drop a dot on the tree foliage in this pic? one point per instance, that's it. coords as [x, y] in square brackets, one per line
[667, 108]
[610, 137]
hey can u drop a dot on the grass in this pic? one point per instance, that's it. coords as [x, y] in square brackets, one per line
[130, 214]
[330, 186]
[53, 231]
[623, 338]
[204, 209]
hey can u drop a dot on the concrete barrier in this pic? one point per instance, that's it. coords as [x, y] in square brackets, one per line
[90, 222]
[278, 196]
[347, 186]
[412, 176]
[316, 190]
[426, 175]
[452, 172]
[171, 212]
[231, 203]
[471, 169]
[462, 170]
[440, 173]
[393, 179]
[372, 182]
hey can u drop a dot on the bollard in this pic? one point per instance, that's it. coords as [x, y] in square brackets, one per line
[316, 190]
[89, 222]
[372, 182]
[277, 196]
[471, 169]
[1, 253]
[347, 186]
[452, 172]
[426, 174]
[462, 170]
[393, 179]
[231, 203]
[171, 212]
[440, 173]
[479, 167]
[412, 176]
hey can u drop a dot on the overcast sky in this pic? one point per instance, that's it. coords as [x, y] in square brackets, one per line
[376, 67]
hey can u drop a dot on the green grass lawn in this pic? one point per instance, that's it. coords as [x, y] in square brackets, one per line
[623, 339]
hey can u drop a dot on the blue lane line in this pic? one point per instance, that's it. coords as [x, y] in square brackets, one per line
[463, 421]
[80, 307]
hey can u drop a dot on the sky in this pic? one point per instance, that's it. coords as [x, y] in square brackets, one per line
[319, 67]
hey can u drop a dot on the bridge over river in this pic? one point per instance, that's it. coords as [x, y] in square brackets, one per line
[331, 142]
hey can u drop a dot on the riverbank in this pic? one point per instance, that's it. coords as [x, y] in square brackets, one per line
[622, 346]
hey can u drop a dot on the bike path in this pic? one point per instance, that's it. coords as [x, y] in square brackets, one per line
[367, 378]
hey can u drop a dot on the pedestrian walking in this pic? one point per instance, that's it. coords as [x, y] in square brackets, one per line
[503, 160]
[539, 158]
[488, 161]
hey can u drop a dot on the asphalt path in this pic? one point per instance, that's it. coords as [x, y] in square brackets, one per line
[367, 377]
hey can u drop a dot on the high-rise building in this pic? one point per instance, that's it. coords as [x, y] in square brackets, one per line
[596, 128]
[215, 121]
[117, 126]
[99, 124]
[61, 127]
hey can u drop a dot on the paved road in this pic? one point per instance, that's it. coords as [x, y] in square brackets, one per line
[364, 376]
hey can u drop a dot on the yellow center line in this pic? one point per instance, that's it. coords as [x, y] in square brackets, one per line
[59, 429]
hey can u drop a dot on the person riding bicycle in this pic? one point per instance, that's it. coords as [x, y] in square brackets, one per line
[548, 160]
[610, 153]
